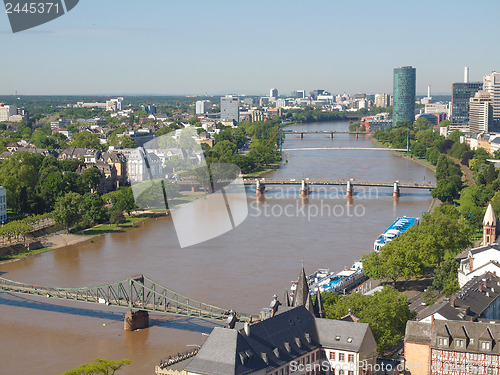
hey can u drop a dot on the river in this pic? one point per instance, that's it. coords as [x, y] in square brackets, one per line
[241, 269]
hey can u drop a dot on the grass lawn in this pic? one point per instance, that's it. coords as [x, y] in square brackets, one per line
[24, 254]
[110, 228]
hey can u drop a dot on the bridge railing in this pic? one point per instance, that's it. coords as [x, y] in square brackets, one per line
[137, 292]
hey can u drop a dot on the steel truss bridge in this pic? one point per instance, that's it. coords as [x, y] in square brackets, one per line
[137, 292]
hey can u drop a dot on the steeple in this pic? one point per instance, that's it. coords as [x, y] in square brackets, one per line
[287, 299]
[489, 226]
[302, 297]
[320, 309]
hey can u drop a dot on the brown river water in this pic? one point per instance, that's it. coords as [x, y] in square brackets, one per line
[241, 269]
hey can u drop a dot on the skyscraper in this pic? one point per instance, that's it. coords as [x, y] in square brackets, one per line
[405, 78]
[230, 108]
[491, 83]
[273, 93]
[203, 106]
[461, 93]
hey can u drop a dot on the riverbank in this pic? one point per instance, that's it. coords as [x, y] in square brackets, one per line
[63, 239]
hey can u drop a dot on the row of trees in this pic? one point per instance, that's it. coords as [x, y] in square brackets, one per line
[386, 311]
[89, 209]
[423, 249]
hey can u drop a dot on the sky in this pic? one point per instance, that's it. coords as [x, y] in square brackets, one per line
[197, 47]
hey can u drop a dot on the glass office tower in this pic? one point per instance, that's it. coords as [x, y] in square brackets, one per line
[405, 79]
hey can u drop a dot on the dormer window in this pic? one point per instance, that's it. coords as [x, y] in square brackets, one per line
[349, 339]
[337, 338]
[442, 341]
[459, 343]
[484, 345]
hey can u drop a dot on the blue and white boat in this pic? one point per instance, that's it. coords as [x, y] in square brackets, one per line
[397, 228]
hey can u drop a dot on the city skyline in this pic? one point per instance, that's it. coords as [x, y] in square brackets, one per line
[216, 48]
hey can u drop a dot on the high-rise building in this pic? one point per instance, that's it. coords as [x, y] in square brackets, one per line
[405, 78]
[299, 94]
[230, 108]
[491, 83]
[481, 112]
[203, 106]
[273, 93]
[461, 92]
[6, 111]
[382, 100]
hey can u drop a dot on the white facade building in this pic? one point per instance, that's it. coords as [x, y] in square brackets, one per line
[491, 84]
[230, 108]
[203, 106]
[480, 112]
[6, 111]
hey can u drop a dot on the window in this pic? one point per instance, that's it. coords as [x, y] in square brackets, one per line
[459, 343]
[351, 372]
[337, 338]
[341, 372]
[485, 345]
[341, 357]
[307, 360]
[442, 341]
[351, 358]
[286, 370]
[349, 339]
[332, 356]
[317, 355]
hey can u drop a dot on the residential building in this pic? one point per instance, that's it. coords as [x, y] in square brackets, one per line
[281, 103]
[273, 94]
[404, 94]
[3, 205]
[230, 108]
[256, 114]
[480, 112]
[60, 123]
[451, 347]
[491, 84]
[376, 122]
[137, 168]
[382, 100]
[477, 300]
[203, 106]
[6, 111]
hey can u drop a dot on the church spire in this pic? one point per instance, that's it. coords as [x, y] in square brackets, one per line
[302, 297]
[489, 226]
[321, 313]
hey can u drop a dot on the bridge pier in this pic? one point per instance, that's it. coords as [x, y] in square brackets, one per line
[136, 320]
[259, 188]
[331, 135]
[301, 135]
[349, 191]
[395, 192]
[357, 135]
[304, 190]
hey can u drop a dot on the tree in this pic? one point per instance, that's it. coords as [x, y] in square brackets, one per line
[91, 178]
[99, 366]
[85, 140]
[67, 209]
[387, 313]
[446, 277]
[92, 208]
[116, 217]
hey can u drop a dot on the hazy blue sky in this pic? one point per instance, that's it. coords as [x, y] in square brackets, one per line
[219, 46]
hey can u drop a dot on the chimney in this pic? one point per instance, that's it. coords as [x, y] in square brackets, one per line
[429, 91]
[247, 329]
[432, 322]
[466, 74]
[452, 302]
[480, 287]
[484, 283]
[490, 276]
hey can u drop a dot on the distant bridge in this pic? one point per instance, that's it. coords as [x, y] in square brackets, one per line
[138, 292]
[312, 181]
[260, 184]
[331, 132]
[345, 148]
